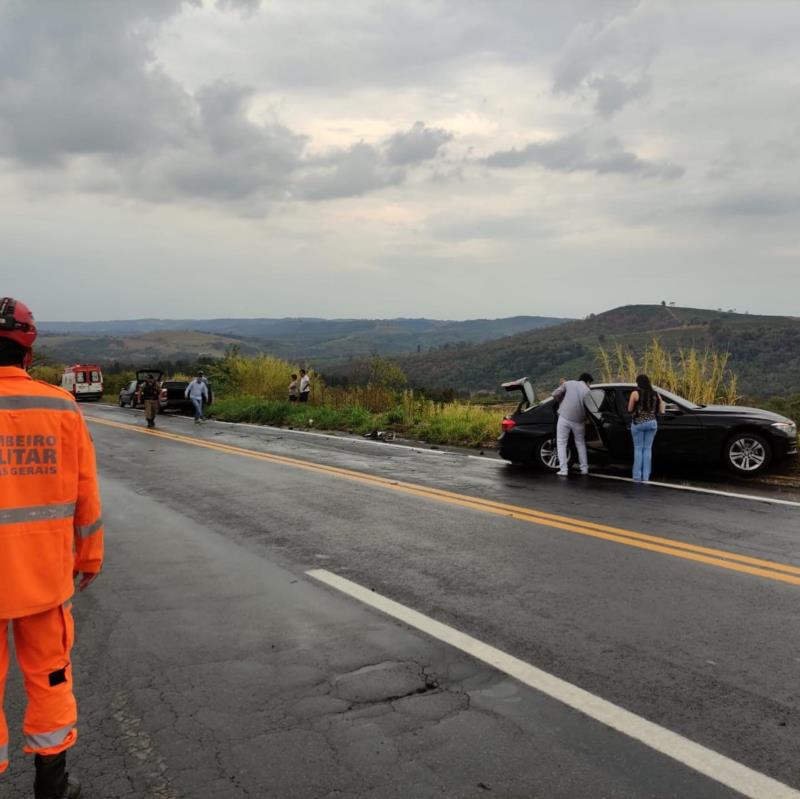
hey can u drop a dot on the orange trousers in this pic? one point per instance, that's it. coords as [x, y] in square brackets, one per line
[42, 643]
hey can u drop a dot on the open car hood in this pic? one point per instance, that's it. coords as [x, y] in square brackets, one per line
[143, 374]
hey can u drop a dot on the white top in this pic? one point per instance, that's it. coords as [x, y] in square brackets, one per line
[305, 384]
[197, 389]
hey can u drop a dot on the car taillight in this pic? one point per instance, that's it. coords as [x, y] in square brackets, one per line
[163, 393]
[508, 424]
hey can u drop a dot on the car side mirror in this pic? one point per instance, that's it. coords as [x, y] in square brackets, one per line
[672, 407]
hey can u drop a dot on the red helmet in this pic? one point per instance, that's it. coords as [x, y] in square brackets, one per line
[16, 322]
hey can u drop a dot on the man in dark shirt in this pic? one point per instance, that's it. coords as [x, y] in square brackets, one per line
[150, 391]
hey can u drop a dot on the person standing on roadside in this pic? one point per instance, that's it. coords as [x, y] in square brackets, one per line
[197, 392]
[150, 392]
[51, 532]
[305, 386]
[644, 405]
[210, 398]
[294, 389]
[570, 397]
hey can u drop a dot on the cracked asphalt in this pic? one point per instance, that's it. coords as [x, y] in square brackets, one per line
[209, 665]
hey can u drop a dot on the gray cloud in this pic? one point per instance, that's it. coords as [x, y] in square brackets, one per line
[757, 203]
[82, 80]
[610, 59]
[476, 227]
[613, 92]
[228, 157]
[348, 173]
[583, 153]
[239, 5]
[417, 144]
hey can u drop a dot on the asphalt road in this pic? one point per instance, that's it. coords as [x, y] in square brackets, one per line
[209, 664]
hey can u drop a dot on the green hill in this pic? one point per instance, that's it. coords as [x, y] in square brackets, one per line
[320, 342]
[149, 348]
[764, 350]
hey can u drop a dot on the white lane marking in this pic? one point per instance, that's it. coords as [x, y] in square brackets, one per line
[315, 434]
[675, 486]
[698, 490]
[490, 461]
[711, 764]
[340, 439]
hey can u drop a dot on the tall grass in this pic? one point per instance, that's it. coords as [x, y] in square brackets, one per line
[258, 376]
[253, 389]
[453, 423]
[703, 378]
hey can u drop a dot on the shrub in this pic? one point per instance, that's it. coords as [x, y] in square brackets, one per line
[702, 378]
[253, 390]
[47, 372]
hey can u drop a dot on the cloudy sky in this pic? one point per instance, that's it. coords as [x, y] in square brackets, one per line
[446, 158]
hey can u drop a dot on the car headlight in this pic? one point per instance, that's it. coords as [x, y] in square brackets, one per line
[790, 428]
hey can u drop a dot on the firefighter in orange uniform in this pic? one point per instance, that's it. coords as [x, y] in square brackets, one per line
[50, 533]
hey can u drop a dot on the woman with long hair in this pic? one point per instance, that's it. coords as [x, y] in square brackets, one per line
[644, 406]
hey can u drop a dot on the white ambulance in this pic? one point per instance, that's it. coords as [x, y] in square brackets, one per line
[83, 381]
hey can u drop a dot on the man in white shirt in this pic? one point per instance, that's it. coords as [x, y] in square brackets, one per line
[571, 397]
[197, 392]
[305, 386]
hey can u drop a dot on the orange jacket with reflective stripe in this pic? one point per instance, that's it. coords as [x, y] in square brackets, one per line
[50, 523]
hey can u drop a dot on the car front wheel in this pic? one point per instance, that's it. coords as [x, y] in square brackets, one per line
[747, 454]
[546, 454]
[121, 402]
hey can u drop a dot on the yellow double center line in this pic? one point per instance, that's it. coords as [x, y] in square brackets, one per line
[732, 561]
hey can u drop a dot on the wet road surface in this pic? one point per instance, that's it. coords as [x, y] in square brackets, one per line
[210, 665]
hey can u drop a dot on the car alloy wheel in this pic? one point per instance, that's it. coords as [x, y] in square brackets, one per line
[548, 454]
[748, 454]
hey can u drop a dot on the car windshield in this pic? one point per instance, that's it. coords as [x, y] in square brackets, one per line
[668, 396]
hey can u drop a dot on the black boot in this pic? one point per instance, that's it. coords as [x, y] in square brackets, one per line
[52, 780]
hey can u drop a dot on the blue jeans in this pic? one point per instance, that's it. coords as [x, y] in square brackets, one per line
[643, 435]
[198, 408]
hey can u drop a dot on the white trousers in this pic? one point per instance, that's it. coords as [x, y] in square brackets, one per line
[578, 430]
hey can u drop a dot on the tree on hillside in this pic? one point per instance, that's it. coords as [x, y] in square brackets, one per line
[379, 372]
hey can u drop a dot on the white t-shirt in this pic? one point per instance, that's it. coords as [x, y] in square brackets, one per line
[305, 384]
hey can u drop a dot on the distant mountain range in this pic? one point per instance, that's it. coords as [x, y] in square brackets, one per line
[472, 355]
[764, 350]
[320, 342]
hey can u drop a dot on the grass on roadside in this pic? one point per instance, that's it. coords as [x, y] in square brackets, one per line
[457, 424]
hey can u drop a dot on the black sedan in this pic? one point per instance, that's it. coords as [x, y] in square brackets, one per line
[744, 440]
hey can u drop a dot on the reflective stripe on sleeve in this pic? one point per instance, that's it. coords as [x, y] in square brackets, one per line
[89, 529]
[18, 403]
[47, 740]
[36, 513]
[3, 753]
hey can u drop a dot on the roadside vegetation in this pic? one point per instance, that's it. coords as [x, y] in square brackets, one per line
[376, 400]
[701, 377]
[254, 389]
